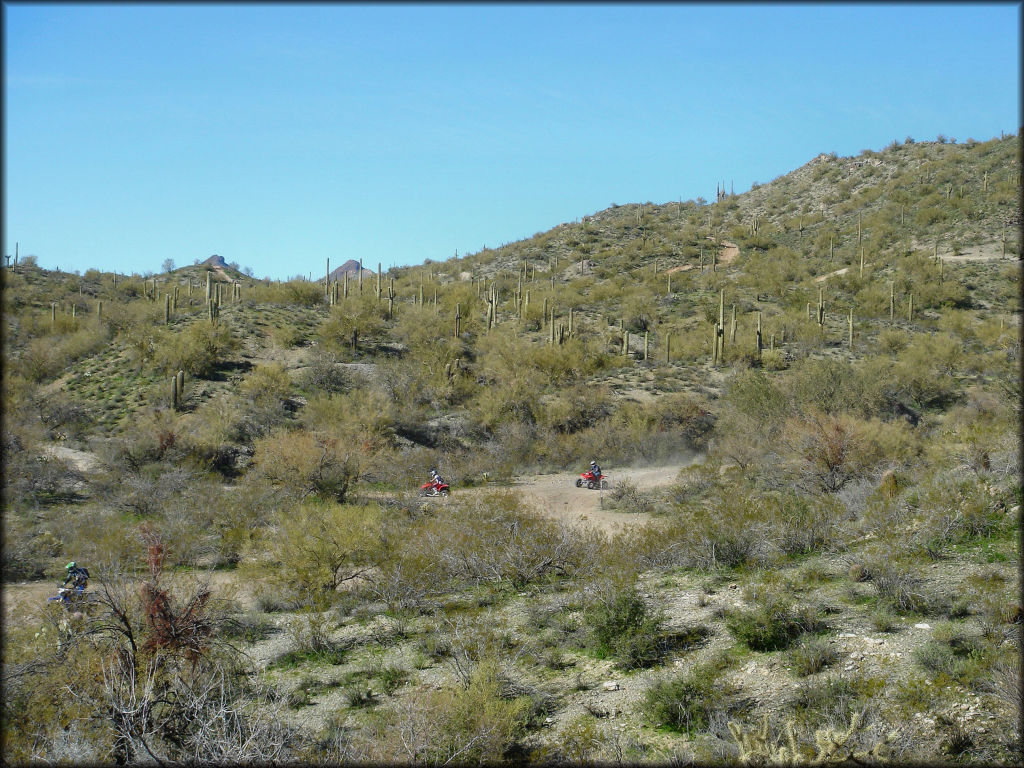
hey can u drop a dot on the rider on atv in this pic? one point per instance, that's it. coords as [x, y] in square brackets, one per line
[435, 478]
[595, 470]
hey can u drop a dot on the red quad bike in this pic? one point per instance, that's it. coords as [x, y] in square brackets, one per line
[591, 481]
[434, 489]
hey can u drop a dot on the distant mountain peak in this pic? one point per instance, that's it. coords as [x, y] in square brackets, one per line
[351, 267]
[215, 261]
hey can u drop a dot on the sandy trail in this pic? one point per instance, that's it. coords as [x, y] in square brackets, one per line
[558, 497]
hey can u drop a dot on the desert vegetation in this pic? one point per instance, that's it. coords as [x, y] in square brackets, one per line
[828, 364]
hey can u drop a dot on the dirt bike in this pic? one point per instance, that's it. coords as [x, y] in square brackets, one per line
[70, 597]
[434, 489]
[592, 481]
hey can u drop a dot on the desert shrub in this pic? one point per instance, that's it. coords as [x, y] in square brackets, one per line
[33, 478]
[197, 350]
[318, 545]
[625, 495]
[752, 416]
[362, 419]
[286, 336]
[266, 382]
[746, 528]
[774, 360]
[476, 724]
[772, 625]
[621, 625]
[834, 450]
[493, 539]
[325, 375]
[959, 510]
[810, 655]
[28, 551]
[688, 703]
[576, 408]
[359, 318]
[304, 464]
[900, 588]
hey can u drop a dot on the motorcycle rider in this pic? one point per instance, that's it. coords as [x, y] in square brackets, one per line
[436, 478]
[595, 470]
[77, 576]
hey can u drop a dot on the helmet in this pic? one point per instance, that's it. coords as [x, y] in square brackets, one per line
[593, 463]
[70, 565]
[433, 471]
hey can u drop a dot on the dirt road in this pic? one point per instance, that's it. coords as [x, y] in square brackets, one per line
[557, 495]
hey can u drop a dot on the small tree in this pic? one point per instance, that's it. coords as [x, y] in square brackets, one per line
[168, 265]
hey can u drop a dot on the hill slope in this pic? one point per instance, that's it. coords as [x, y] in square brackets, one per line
[830, 361]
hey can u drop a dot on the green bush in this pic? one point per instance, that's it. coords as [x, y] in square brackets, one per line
[197, 350]
[771, 626]
[687, 704]
[621, 625]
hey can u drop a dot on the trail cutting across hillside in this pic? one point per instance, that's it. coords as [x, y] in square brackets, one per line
[558, 497]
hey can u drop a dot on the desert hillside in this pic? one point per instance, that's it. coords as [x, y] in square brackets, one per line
[806, 400]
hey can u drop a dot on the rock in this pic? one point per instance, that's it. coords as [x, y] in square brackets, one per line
[922, 626]
[858, 572]
[611, 685]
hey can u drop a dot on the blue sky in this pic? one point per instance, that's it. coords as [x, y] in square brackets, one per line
[280, 136]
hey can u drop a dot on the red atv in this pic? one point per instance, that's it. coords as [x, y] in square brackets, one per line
[592, 481]
[432, 488]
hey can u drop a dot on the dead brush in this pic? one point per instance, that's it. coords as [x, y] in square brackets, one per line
[627, 496]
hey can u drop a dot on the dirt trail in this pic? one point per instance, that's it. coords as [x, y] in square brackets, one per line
[557, 495]
[83, 461]
[727, 255]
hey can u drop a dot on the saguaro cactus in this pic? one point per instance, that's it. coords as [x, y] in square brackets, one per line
[721, 322]
[851, 329]
[910, 309]
[99, 307]
[892, 300]
[760, 343]
[668, 349]
[458, 320]
[167, 308]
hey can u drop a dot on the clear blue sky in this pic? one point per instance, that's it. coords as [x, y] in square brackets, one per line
[279, 136]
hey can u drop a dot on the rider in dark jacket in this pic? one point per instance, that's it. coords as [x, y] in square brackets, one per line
[77, 577]
[596, 470]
